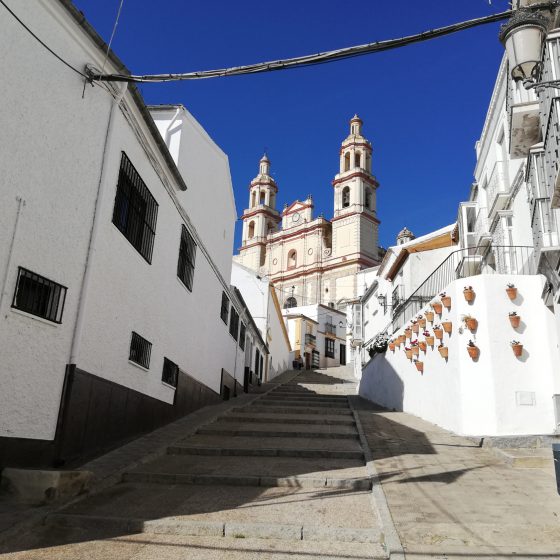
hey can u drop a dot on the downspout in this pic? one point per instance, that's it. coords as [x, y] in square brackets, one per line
[82, 296]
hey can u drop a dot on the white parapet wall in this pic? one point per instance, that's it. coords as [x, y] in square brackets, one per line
[495, 394]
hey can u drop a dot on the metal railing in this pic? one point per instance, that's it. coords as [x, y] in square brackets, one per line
[330, 328]
[463, 263]
[310, 339]
[496, 184]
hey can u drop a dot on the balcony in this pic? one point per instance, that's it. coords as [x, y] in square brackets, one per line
[482, 229]
[497, 190]
[524, 119]
[310, 340]
[330, 329]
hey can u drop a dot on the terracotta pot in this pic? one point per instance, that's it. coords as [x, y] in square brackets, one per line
[515, 320]
[430, 340]
[408, 333]
[469, 295]
[444, 351]
[446, 301]
[419, 366]
[512, 293]
[409, 354]
[422, 323]
[415, 328]
[422, 346]
[473, 351]
[430, 316]
[402, 338]
[437, 308]
[392, 346]
[438, 333]
[472, 324]
[415, 350]
[447, 326]
[517, 349]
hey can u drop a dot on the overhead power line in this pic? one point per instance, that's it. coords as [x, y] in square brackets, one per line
[320, 58]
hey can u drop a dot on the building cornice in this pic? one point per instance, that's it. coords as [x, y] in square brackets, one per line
[271, 213]
[363, 214]
[362, 175]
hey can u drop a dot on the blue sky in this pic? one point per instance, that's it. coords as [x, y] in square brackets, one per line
[423, 106]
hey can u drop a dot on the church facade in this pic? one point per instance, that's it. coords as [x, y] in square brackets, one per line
[315, 260]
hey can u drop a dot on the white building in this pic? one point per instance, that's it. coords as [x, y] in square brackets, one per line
[314, 260]
[116, 313]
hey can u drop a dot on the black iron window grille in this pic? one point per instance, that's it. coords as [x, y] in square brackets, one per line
[224, 311]
[242, 331]
[187, 254]
[234, 323]
[135, 212]
[140, 351]
[329, 347]
[39, 296]
[170, 372]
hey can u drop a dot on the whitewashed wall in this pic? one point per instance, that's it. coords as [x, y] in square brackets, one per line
[490, 396]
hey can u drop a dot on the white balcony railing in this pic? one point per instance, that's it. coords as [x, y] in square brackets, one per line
[497, 190]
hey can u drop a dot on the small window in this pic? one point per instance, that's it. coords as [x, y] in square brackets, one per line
[347, 162]
[290, 302]
[357, 159]
[234, 323]
[345, 197]
[329, 347]
[170, 372]
[292, 259]
[242, 331]
[251, 230]
[135, 212]
[224, 311]
[187, 254]
[39, 296]
[140, 351]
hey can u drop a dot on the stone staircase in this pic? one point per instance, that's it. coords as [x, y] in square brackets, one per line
[288, 466]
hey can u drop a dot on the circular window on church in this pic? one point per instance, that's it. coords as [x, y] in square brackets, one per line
[275, 261]
[310, 252]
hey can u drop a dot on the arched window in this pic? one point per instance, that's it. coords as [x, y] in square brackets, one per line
[345, 197]
[262, 197]
[253, 199]
[347, 162]
[290, 302]
[292, 259]
[358, 159]
[369, 199]
[251, 230]
[368, 162]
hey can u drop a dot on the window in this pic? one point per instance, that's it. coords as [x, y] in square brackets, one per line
[187, 254]
[292, 259]
[329, 347]
[347, 161]
[234, 323]
[170, 372]
[368, 199]
[224, 311]
[262, 197]
[242, 331]
[140, 351]
[345, 197]
[290, 302]
[357, 159]
[135, 212]
[39, 296]
[251, 230]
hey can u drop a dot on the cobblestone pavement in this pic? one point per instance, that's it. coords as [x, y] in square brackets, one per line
[450, 498]
[279, 475]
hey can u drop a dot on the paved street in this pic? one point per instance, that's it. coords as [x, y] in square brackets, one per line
[283, 475]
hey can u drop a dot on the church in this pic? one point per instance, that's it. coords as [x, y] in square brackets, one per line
[315, 260]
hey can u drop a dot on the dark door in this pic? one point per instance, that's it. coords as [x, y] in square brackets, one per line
[307, 360]
[343, 354]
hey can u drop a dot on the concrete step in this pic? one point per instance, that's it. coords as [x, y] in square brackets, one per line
[307, 395]
[287, 419]
[265, 401]
[272, 445]
[246, 452]
[285, 512]
[526, 458]
[254, 471]
[274, 430]
[303, 398]
[276, 409]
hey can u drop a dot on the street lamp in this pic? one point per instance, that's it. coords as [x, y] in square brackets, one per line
[382, 299]
[523, 37]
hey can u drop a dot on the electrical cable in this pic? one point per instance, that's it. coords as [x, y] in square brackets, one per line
[320, 58]
[112, 35]
[42, 42]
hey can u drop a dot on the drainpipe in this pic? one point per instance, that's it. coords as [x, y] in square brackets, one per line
[82, 296]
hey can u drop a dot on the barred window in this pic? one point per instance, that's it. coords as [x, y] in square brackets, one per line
[234, 323]
[39, 296]
[242, 331]
[224, 311]
[187, 254]
[170, 372]
[329, 347]
[135, 212]
[140, 350]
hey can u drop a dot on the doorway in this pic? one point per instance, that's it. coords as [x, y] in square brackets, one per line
[343, 354]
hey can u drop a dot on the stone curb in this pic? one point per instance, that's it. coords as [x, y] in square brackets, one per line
[390, 537]
[274, 433]
[216, 529]
[146, 450]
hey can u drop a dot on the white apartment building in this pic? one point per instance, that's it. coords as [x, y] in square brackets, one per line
[116, 311]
